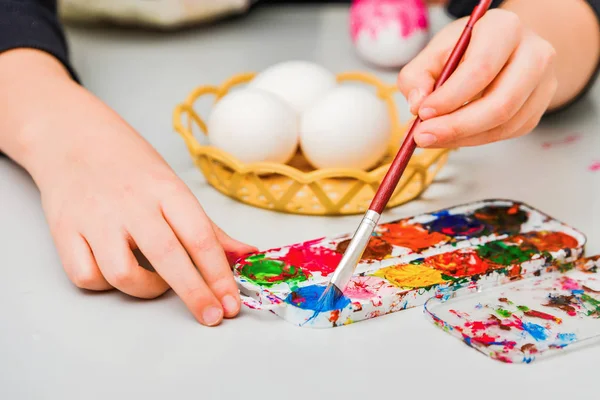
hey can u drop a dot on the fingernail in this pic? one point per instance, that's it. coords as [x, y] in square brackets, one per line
[212, 315]
[230, 304]
[427, 113]
[426, 139]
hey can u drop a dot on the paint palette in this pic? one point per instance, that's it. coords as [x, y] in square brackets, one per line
[408, 261]
[525, 320]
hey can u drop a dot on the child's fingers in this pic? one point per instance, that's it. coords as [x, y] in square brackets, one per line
[193, 228]
[417, 78]
[79, 263]
[523, 122]
[484, 59]
[121, 269]
[233, 248]
[162, 248]
[499, 103]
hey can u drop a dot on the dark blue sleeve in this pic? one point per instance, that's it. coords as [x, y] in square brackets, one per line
[33, 24]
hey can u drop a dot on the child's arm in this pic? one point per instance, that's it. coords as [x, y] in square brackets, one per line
[105, 191]
[524, 59]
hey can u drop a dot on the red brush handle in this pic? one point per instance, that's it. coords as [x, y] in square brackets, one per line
[392, 177]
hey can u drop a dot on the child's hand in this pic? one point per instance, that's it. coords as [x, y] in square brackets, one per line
[106, 192]
[507, 76]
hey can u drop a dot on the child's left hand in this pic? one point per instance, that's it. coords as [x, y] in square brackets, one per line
[507, 76]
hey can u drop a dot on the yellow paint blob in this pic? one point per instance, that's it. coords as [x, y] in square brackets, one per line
[411, 276]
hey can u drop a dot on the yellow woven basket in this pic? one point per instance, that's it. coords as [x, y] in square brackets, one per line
[297, 187]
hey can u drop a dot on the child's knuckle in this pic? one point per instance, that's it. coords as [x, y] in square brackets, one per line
[200, 243]
[483, 70]
[122, 277]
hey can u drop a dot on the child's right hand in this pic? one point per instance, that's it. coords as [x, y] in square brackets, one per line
[107, 192]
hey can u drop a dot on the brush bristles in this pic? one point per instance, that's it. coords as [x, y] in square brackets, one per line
[329, 298]
[331, 295]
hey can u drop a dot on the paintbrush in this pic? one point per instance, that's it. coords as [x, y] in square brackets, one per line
[344, 271]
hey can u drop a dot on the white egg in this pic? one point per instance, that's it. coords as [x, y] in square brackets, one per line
[389, 33]
[348, 128]
[254, 126]
[299, 83]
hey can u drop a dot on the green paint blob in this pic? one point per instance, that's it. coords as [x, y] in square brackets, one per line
[523, 308]
[595, 303]
[267, 272]
[503, 254]
[503, 313]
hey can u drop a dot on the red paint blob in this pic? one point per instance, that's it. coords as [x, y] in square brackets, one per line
[312, 258]
[334, 316]
[542, 315]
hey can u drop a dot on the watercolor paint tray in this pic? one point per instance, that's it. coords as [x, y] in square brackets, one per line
[408, 261]
[528, 319]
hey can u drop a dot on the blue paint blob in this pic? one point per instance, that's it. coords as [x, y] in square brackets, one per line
[577, 291]
[456, 225]
[307, 298]
[566, 338]
[538, 332]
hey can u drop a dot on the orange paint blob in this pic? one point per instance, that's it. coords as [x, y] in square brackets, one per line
[377, 249]
[460, 263]
[414, 237]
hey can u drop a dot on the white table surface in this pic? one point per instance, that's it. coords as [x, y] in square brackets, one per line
[57, 342]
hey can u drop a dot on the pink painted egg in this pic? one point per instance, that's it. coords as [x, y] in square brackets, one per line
[389, 33]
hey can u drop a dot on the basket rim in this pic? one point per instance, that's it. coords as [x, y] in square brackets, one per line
[197, 150]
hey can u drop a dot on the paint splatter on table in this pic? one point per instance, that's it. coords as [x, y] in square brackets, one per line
[408, 261]
[561, 142]
[594, 167]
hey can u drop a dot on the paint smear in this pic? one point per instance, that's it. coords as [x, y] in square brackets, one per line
[594, 303]
[377, 249]
[268, 272]
[561, 142]
[503, 220]
[313, 258]
[545, 241]
[503, 254]
[562, 302]
[566, 338]
[594, 167]
[529, 348]
[542, 315]
[460, 263]
[456, 225]
[538, 332]
[307, 298]
[411, 236]
[411, 276]
[503, 313]
[367, 288]
[567, 283]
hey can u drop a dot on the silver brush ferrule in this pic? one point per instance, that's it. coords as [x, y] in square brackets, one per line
[355, 250]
